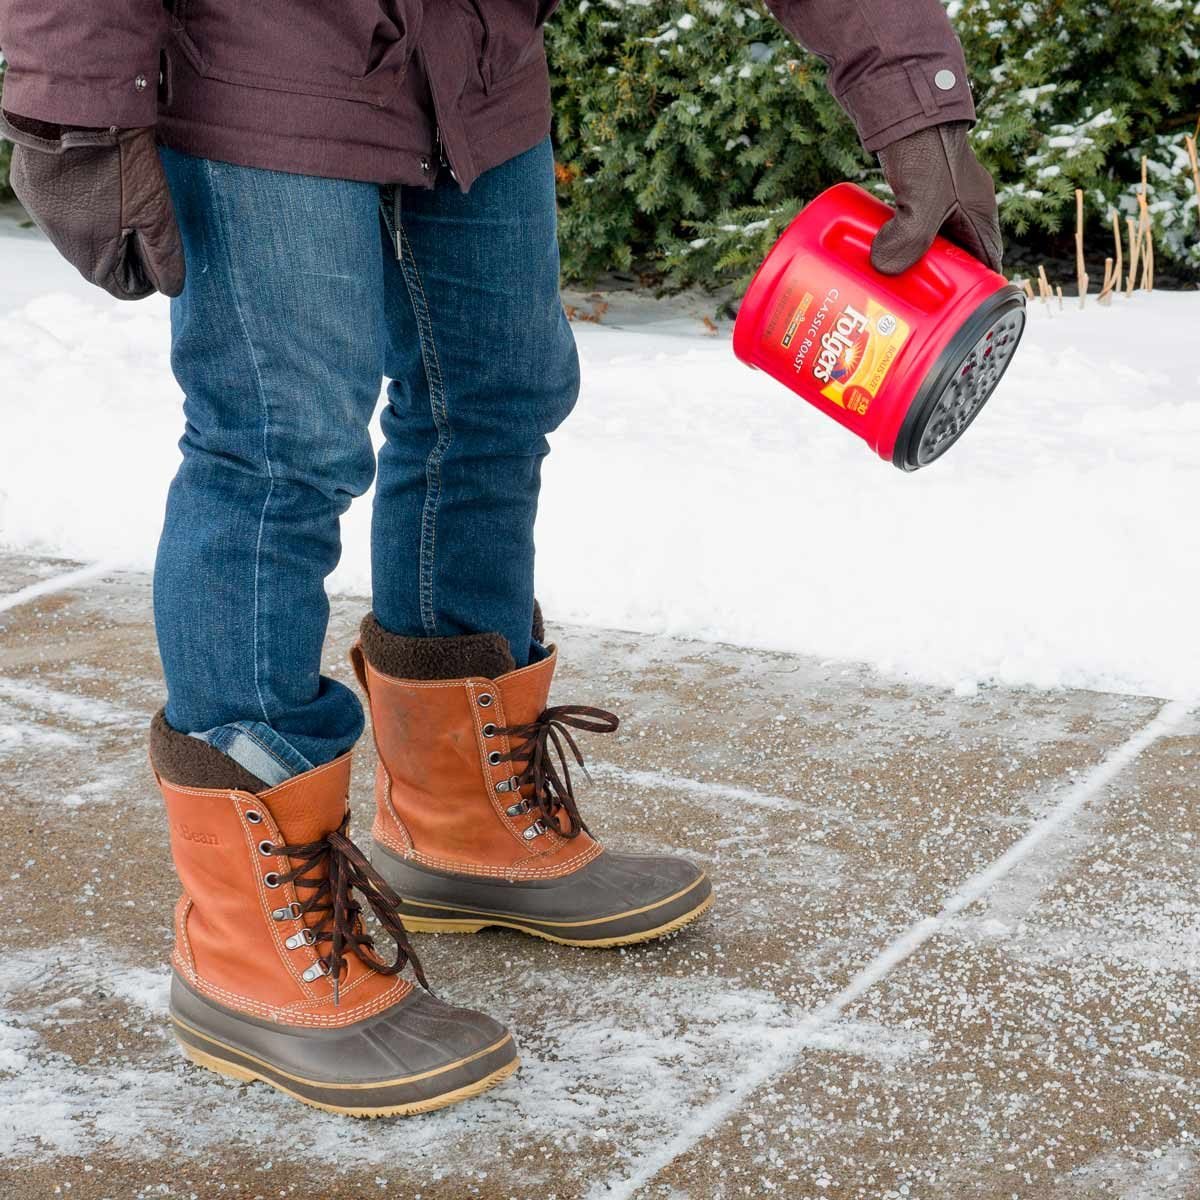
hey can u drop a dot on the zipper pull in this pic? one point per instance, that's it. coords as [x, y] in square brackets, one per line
[440, 147]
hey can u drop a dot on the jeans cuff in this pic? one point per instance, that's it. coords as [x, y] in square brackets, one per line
[257, 747]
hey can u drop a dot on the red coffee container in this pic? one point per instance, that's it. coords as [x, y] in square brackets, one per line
[904, 361]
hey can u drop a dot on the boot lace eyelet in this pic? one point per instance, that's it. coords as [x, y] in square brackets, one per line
[515, 810]
[502, 786]
[485, 699]
[253, 816]
[545, 751]
[344, 890]
[266, 848]
[489, 730]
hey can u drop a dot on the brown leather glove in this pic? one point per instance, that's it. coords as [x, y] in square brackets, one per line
[940, 187]
[101, 197]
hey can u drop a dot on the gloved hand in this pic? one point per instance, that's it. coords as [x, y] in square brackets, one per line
[940, 187]
[101, 197]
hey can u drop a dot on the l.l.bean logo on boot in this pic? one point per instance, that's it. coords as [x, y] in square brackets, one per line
[198, 836]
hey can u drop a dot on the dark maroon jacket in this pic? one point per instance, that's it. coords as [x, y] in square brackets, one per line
[370, 89]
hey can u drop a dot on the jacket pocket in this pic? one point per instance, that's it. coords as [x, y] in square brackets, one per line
[512, 35]
[341, 49]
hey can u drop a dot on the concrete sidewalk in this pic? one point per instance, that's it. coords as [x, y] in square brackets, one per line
[822, 1033]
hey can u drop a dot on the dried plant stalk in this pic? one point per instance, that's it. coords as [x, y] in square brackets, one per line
[1135, 246]
[1190, 142]
[1059, 293]
[1120, 264]
[1044, 289]
[1080, 266]
[1111, 278]
[1146, 227]
[1145, 233]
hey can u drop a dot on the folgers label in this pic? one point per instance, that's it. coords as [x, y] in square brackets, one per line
[845, 348]
[906, 362]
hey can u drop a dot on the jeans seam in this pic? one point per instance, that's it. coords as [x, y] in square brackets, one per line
[270, 750]
[266, 411]
[441, 420]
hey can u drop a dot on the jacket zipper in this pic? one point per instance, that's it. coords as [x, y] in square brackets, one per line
[440, 149]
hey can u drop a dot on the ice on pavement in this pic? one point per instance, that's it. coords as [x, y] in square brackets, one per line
[579, 1068]
[1057, 545]
[1039, 1040]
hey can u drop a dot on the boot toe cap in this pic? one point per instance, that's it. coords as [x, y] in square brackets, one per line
[648, 878]
[651, 879]
[424, 1036]
[416, 1055]
[444, 1031]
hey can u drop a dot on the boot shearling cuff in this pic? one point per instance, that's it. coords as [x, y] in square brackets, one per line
[479, 655]
[188, 762]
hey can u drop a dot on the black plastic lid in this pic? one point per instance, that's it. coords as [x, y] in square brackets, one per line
[964, 376]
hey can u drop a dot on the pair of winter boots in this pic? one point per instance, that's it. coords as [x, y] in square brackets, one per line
[275, 976]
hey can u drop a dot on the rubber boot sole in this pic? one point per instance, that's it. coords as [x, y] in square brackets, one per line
[214, 1055]
[441, 903]
[473, 923]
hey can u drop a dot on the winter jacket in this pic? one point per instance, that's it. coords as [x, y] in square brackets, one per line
[379, 90]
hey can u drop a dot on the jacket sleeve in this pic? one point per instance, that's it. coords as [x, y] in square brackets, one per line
[83, 63]
[895, 66]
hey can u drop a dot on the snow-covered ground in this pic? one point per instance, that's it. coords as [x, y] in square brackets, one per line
[1057, 544]
[954, 949]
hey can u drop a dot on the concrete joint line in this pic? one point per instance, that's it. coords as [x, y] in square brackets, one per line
[782, 1059]
[703, 788]
[56, 583]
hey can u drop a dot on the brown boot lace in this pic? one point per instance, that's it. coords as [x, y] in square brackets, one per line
[341, 868]
[551, 789]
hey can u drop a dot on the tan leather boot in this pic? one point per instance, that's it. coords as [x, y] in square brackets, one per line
[476, 822]
[274, 977]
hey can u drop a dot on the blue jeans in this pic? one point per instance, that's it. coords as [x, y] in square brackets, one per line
[295, 310]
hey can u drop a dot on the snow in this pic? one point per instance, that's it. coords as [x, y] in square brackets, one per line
[78, 709]
[790, 1039]
[672, 1037]
[1055, 546]
[900, 949]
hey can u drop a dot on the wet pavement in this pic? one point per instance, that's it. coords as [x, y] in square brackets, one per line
[955, 949]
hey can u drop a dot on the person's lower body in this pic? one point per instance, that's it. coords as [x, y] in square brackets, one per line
[296, 308]
[302, 296]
